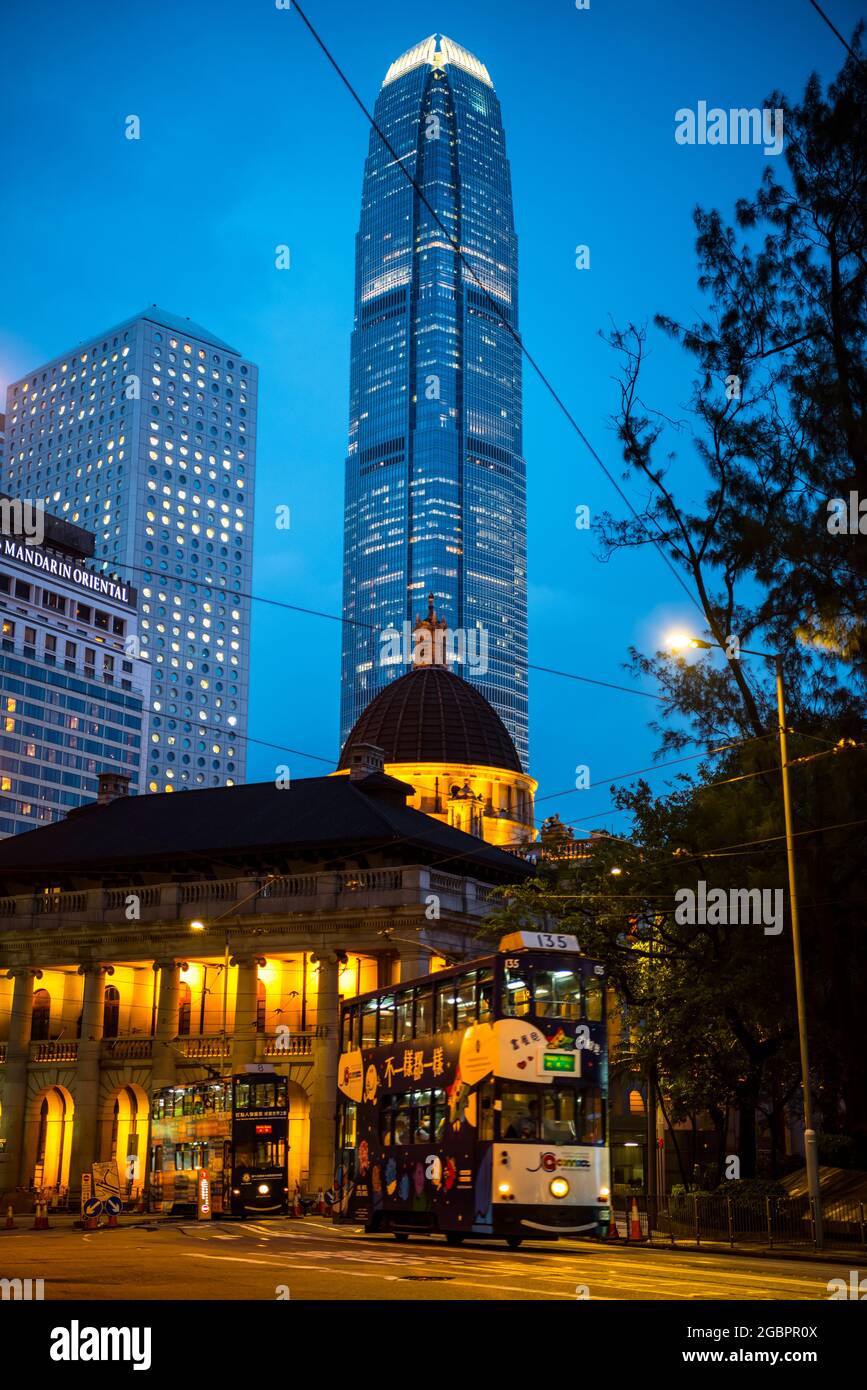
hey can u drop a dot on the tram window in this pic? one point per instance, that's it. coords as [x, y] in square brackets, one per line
[386, 1019]
[348, 1032]
[404, 1016]
[421, 1115]
[402, 1120]
[440, 1114]
[591, 1126]
[262, 1095]
[446, 1008]
[516, 998]
[486, 1111]
[558, 1115]
[486, 995]
[368, 1023]
[519, 1116]
[386, 1120]
[467, 1000]
[557, 993]
[593, 999]
[424, 1023]
[350, 1125]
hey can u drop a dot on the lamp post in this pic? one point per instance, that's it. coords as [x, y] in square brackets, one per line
[679, 642]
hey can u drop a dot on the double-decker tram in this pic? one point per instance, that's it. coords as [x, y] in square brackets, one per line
[236, 1131]
[472, 1101]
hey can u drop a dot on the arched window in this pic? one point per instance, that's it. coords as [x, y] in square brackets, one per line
[260, 1007]
[41, 1016]
[111, 1011]
[185, 1006]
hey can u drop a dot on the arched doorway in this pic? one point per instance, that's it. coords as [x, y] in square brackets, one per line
[48, 1139]
[124, 1135]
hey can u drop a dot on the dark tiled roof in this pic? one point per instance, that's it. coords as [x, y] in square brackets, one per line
[432, 715]
[330, 814]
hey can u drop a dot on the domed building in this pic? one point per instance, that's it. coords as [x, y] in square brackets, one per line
[433, 730]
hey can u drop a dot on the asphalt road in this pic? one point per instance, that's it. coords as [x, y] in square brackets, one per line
[312, 1260]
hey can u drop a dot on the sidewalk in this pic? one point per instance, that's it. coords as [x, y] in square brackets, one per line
[836, 1255]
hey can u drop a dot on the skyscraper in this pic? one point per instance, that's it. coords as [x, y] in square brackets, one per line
[145, 435]
[435, 478]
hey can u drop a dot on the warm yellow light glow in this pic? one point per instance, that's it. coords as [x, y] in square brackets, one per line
[197, 926]
[679, 641]
[559, 1187]
[267, 974]
[503, 1189]
[616, 871]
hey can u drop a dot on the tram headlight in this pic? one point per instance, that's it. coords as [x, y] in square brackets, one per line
[604, 1194]
[263, 1189]
[558, 1187]
[504, 1188]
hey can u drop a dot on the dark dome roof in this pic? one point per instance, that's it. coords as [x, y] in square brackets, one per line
[432, 715]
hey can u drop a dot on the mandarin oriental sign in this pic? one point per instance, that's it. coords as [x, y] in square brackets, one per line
[96, 584]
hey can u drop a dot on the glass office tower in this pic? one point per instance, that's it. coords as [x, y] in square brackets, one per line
[145, 435]
[435, 478]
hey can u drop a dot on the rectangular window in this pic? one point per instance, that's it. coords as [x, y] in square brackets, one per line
[101, 620]
[446, 1007]
[83, 612]
[386, 1019]
[23, 590]
[368, 1023]
[466, 993]
[404, 1016]
[424, 1022]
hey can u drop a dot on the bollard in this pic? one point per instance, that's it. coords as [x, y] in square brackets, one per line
[10, 1217]
[320, 1203]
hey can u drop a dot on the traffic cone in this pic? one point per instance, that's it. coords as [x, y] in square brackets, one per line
[40, 1221]
[92, 1222]
[298, 1210]
[635, 1232]
[10, 1217]
[112, 1219]
[320, 1203]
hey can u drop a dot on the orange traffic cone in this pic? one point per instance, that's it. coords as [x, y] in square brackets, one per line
[40, 1220]
[635, 1232]
[320, 1203]
[10, 1217]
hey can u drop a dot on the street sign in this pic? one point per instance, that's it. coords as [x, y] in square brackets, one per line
[114, 1206]
[86, 1190]
[93, 1207]
[538, 941]
[106, 1182]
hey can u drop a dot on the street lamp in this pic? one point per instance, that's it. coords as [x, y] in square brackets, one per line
[681, 641]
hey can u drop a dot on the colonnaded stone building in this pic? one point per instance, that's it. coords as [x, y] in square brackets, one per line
[151, 939]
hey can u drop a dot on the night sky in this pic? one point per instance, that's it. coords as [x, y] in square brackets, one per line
[249, 140]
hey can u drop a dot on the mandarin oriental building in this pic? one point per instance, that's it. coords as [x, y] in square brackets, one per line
[73, 699]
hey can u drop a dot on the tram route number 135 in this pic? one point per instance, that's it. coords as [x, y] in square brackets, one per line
[538, 941]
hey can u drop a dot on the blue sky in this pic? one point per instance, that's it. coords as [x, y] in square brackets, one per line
[249, 141]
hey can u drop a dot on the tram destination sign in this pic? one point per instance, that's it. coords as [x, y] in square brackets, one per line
[559, 1061]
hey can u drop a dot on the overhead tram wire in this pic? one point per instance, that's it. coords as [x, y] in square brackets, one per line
[525, 352]
[166, 581]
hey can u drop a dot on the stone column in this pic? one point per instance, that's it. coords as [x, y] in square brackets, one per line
[323, 1099]
[164, 1055]
[414, 961]
[14, 1076]
[244, 1029]
[86, 1085]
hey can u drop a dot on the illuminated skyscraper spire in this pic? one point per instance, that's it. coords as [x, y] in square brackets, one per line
[435, 478]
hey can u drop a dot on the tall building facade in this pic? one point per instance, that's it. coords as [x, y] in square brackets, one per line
[73, 703]
[145, 435]
[435, 477]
